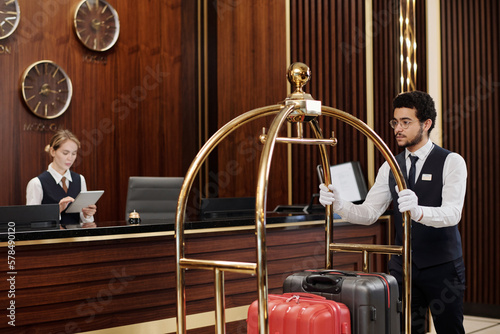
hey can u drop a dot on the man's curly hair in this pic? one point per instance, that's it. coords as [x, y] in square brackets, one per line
[421, 101]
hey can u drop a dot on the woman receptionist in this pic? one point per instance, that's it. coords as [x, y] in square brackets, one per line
[58, 184]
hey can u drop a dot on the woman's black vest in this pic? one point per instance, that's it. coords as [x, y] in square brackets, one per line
[53, 193]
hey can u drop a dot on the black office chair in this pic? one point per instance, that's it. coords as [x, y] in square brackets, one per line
[154, 198]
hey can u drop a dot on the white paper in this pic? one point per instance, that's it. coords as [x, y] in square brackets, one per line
[344, 178]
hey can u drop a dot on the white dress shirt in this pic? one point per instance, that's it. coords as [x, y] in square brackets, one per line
[379, 197]
[34, 190]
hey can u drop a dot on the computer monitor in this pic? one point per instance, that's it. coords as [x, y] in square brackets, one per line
[29, 217]
[350, 180]
[225, 207]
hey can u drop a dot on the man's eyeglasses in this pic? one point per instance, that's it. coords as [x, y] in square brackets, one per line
[405, 123]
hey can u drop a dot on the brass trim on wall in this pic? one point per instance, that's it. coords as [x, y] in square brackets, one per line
[203, 86]
[370, 104]
[433, 58]
[288, 92]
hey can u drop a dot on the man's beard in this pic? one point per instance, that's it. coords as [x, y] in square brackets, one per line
[418, 138]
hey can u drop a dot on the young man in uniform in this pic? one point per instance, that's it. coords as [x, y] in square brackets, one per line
[436, 181]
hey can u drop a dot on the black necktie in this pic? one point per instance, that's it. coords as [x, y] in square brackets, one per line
[411, 174]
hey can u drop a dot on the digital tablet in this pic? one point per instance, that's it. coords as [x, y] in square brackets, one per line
[84, 199]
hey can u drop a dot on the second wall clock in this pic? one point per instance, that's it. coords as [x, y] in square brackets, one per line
[9, 17]
[97, 24]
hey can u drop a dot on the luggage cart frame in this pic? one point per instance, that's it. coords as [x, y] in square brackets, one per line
[298, 108]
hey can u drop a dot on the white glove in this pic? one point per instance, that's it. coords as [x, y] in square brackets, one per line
[330, 196]
[408, 201]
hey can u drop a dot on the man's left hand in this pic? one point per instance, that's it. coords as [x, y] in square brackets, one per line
[408, 201]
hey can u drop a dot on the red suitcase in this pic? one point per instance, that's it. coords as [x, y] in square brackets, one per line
[301, 313]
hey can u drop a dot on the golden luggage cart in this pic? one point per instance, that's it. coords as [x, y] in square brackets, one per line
[298, 108]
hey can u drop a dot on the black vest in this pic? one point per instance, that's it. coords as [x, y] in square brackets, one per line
[430, 246]
[53, 193]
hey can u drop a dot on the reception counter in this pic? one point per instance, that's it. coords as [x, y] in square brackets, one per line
[121, 278]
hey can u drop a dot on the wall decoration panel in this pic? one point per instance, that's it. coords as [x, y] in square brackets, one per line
[250, 73]
[129, 104]
[471, 100]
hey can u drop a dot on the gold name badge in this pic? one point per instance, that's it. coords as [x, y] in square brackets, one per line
[427, 177]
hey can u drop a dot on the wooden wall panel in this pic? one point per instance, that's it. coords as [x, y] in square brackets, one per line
[129, 103]
[386, 70]
[250, 73]
[330, 38]
[471, 100]
[387, 66]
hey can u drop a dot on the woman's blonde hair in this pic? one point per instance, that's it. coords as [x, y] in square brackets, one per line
[59, 138]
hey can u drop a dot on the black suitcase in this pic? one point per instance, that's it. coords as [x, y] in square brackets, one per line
[372, 298]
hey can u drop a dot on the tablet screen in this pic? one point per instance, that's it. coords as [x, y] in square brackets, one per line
[84, 199]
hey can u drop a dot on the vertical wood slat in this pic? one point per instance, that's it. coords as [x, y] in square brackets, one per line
[329, 37]
[386, 70]
[340, 79]
[251, 68]
[387, 65]
[471, 79]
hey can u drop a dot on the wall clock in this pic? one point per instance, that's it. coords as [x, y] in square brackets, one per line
[96, 24]
[46, 89]
[9, 17]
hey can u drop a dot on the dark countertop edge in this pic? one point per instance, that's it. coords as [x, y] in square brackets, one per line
[158, 227]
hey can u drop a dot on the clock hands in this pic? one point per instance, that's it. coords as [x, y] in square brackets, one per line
[45, 90]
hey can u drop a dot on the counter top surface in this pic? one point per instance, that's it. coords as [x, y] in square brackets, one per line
[123, 228]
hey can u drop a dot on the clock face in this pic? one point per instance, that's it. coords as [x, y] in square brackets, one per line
[96, 24]
[46, 89]
[9, 17]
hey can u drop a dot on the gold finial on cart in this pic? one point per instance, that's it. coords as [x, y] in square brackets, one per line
[298, 74]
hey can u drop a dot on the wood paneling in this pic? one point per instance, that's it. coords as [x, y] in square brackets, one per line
[130, 109]
[385, 70]
[387, 66]
[250, 73]
[471, 100]
[329, 36]
[101, 284]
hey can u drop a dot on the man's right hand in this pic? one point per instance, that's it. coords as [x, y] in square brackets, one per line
[330, 196]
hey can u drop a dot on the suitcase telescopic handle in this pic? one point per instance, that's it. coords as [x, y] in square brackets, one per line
[339, 272]
[323, 283]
